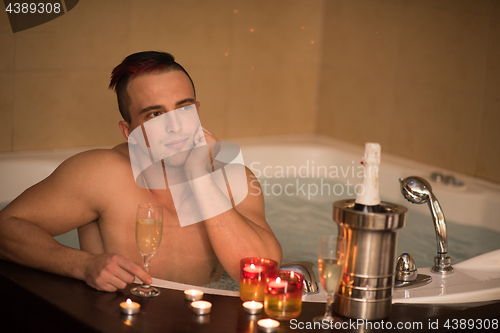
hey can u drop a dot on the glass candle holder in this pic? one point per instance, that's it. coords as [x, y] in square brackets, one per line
[253, 273]
[283, 295]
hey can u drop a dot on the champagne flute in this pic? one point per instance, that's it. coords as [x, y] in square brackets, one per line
[148, 232]
[331, 259]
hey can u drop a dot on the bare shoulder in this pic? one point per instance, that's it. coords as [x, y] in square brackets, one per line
[99, 156]
[76, 192]
[91, 175]
[95, 162]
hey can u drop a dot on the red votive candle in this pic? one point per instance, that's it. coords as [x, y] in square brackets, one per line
[283, 295]
[253, 275]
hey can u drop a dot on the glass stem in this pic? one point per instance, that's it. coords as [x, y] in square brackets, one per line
[147, 261]
[329, 303]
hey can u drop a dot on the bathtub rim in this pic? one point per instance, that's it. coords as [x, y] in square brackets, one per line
[308, 139]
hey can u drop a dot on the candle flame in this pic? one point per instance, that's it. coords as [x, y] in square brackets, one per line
[253, 305]
[252, 266]
[201, 304]
[129, 301]
[278, 280]
[268, 323]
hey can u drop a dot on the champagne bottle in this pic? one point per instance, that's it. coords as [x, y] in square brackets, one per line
[368, 199]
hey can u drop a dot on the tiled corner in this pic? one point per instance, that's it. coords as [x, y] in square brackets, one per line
[443, 48]
[438, 126]
[356, 106]
[359, 65]
[362, 36]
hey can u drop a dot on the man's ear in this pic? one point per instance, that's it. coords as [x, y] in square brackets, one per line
[197, 107]
[124, 128]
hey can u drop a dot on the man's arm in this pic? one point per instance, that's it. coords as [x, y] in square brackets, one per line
[239, 232]
[69, 198]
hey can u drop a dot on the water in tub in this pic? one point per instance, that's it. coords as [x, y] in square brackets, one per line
[299, 220]
[300, 210]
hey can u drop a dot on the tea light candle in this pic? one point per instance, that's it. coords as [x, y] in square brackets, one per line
[130, 307]
[278, 284]
[193, 294]
[268, 325]
[252, 307]
[201, 307]
[253, 270]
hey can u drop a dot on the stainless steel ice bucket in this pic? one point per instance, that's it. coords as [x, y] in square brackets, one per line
[365, 290]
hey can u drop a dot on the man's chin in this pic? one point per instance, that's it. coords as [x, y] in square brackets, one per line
[176, 160]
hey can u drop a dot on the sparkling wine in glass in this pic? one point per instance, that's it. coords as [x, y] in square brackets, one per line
[331, 258]
[148, 232]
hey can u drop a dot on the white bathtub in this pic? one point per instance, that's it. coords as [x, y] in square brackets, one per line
[477, 203]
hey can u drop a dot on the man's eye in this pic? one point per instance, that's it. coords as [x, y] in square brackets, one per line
[154, 114]
[185, 108]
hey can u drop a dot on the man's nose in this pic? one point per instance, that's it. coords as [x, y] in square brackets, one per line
[174, 123]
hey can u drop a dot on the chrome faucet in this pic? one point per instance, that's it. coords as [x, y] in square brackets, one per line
[305, 268]
[418, 190]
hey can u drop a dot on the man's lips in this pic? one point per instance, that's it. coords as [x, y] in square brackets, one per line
[176, 144]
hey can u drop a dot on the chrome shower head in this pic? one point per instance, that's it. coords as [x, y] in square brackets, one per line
[418, 190]
[415, 189]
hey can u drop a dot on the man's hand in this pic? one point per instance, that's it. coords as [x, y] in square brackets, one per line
[213, 143]
[201, 157]
[110, 272]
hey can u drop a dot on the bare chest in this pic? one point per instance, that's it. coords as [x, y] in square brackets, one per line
[184, 254]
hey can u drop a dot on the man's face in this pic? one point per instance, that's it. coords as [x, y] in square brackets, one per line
[154, 97]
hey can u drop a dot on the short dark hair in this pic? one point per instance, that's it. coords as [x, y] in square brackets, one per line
[140, 63]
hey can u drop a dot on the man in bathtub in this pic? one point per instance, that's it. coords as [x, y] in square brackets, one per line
[98, 192]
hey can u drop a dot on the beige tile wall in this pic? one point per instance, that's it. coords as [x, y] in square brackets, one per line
[421, 77]
[253, 63]
[488, 154]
